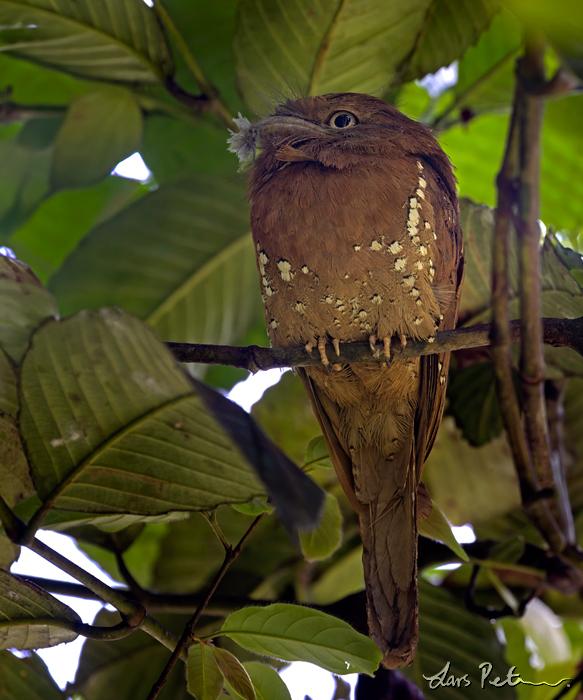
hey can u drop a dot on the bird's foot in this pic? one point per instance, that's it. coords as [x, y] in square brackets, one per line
[372, 341]
[321, 345]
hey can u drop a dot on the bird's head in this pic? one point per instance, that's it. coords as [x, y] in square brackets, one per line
[336, 131]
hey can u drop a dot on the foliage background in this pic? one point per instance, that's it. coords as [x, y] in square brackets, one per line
[84, 85]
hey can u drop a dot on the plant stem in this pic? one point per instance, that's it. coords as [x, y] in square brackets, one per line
[209, 92]
[230, 555]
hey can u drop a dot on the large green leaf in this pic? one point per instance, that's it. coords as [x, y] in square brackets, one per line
[101, 129]
[21, 601]
[34, 85]
[562, 296]
[342, 579]
[285, 414]
[452, 638]
[178, 258]
[113, 425]
[24, 303]
[15, 482]
[470, 484]
[295, 633]
[208, 28]
[119, 41]
[174, 149]
[347, 45]
[485, 74]
[450, 27]
[476, 150]
[325, 539]
[127, 669]
[8, 396]
[57, 226]
[27, 678]
[24, 171]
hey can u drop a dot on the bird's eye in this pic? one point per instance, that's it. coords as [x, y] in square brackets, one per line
[342, 120]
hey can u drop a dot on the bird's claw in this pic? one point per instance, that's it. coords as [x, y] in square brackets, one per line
[387, 352]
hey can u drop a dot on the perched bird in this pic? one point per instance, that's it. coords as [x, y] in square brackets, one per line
[355, 221]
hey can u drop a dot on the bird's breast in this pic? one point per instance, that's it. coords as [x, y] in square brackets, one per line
[346, 254]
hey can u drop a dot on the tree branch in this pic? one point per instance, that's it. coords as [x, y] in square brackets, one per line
[231, 553]
[558, 332]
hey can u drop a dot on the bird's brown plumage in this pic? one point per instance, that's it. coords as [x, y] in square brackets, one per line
[355, 222]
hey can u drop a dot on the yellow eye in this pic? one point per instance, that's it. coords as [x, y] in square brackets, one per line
[342, 120]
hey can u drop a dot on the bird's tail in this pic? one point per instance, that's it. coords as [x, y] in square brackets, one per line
[388, 527]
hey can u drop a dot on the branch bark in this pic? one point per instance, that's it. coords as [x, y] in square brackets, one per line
[558, 332]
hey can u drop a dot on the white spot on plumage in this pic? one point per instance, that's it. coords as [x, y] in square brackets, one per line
[362, 314]
[420, 193]
[422, 182]
[375, 245]
[305, 269]
[422, 250]
[414, 292]
[376, 299]
[408, 281]
[419, 265]
[285, 270]
[418, 320]
[400, 264]
[419, 165]
[356, 247]
[395, 247]
[300, 307]
[273, 323]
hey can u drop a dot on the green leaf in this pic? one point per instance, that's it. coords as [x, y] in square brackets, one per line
[336, 46]
[449, 29]
[473, 403]
[254, 507]
[178, 258]
[59, 223]
[15, 482]
[8, 397]
[317, 455]
[27, 678]
[476, 150]
[294, 633]
[267, 682]
[486, 72]
[204, 677]
[100, 129]
[235, 674]
[487, 490]
[325, 538]
[342, 579]
[24, 303]
[562, 296]
[450, 636]
[24, 172]
[437, 528]
[120, 42]
[127, 669]
[21, 601]
[285, 414]
[105, 406]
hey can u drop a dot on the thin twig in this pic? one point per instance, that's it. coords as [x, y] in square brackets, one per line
[230, 555]
[558, 332]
